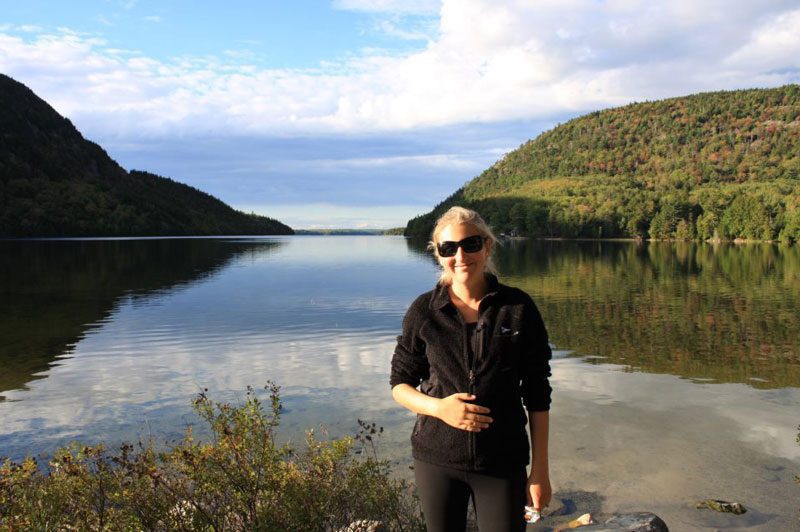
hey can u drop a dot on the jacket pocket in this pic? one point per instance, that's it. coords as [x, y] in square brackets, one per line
[436, 441]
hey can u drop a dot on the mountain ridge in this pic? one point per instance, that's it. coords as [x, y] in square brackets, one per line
[56, 183]
[721, 165]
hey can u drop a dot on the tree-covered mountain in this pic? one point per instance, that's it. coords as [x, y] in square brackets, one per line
[716, 165]
[53, 182]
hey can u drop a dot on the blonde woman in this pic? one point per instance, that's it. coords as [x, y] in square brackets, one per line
[473, 357]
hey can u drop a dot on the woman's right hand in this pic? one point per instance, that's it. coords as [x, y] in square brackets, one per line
[457, 412]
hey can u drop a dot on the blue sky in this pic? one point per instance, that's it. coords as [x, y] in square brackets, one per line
[364, 113]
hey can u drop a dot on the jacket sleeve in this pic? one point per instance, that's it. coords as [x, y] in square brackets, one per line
[409, 362]
[536, 388]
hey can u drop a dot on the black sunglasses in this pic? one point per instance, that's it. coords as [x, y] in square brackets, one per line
[471, 244]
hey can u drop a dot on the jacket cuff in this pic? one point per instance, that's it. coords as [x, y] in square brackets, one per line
[397, 379]
[539, 400]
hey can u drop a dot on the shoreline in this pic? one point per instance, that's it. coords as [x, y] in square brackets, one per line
[736, 241]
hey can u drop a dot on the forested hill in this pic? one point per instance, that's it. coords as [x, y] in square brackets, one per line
[53, 182]
[716, 165]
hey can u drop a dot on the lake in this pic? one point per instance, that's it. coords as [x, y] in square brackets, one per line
[676, 369]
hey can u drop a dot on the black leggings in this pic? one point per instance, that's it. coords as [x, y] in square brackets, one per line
[444, 493]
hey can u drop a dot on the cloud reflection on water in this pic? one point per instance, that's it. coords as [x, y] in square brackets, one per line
[319, 315]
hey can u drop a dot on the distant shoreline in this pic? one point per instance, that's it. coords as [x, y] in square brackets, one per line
[383, 232]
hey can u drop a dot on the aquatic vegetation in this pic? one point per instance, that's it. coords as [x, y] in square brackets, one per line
[241, 479]
[721, 506]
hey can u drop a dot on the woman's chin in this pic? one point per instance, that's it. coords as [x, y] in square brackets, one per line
[463, 276]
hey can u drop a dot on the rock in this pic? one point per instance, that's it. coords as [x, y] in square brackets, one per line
[721, 506]
[585, 519]
[632, 522]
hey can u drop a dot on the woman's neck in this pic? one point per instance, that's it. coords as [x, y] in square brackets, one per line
[471, 293]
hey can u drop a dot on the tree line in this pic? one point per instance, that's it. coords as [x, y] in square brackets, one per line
[55, 183]
[723, 165]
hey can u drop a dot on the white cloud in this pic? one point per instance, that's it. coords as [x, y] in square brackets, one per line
[774, 45]
[491, 61]
[405, 7]
[153, 18]
[443, 160]
[393, 29]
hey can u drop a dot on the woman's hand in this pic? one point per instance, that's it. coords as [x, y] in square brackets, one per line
[539, 491]
[456, 412]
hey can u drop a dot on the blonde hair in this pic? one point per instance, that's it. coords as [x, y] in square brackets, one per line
[459, 216]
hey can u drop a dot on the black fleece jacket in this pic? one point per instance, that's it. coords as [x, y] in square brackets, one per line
[510, 367]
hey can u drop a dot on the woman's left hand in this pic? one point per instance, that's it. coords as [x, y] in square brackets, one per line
[539, 492]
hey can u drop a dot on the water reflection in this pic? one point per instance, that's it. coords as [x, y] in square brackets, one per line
[54, 292]
[712, 313]
[657, 442]
[146, 325]
[724, 313]
[318, 315]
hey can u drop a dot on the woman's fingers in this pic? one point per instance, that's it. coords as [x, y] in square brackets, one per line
[474, 426]
[475, 423]
[476, 408]
[457, 412]
[474, 420]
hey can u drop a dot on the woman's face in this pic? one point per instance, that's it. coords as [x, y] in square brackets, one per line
[463, 266]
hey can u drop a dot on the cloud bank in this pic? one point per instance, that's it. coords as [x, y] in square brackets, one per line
[491, 61]
[378, 135]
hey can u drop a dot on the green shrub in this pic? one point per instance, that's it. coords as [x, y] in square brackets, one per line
[241, 479]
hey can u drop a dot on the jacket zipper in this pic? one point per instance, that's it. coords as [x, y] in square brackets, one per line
[477, 354]
[471, 390]
[472, 453]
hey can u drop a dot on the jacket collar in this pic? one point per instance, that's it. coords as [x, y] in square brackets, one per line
[441, 298]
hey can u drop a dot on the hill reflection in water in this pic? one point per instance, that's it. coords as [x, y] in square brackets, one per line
[128, 332]
[724, 313]
[116, 351]
[55, 291]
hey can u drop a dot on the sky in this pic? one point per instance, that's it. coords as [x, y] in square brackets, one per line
[365, 113]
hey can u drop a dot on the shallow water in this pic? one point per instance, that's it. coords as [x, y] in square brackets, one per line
[676, 374]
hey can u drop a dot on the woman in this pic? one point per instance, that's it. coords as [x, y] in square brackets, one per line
[478, 351]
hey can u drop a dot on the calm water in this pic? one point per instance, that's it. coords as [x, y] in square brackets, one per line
[676, 372]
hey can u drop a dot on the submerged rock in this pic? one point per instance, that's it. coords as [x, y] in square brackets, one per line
[721, 506]
[632, 522]
[585, 519]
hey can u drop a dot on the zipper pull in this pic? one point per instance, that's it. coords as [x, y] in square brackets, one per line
[471, 377]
